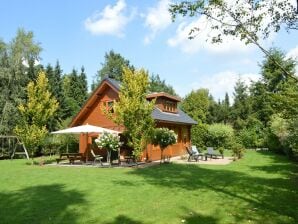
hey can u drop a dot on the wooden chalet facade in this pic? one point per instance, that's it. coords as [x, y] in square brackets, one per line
[166, 114]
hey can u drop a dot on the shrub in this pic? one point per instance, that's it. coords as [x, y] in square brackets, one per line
[220, 135]
[163, 137]
[238, 150]
[221, 150]
[251, 137]
[110, 142]
[281, 130]
[199, 135]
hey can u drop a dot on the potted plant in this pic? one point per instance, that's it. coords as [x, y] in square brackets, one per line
[110, 142]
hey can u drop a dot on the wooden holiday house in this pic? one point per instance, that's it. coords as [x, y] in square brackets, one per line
[166, 114]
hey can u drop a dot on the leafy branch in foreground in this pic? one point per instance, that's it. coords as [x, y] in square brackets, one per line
[247, 20]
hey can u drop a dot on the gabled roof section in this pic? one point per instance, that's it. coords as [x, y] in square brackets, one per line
[114, 84]
[179, 117]
[163, 94]
[157, 114]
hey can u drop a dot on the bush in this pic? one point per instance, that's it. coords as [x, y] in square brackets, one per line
[220, 135]
[281, 131]
[199, 135]
[251, 138]
[109, 142]
[163, 137]
[238, 150]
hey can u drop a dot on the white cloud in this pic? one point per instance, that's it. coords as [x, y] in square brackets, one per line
[26, 64]
[202, 40]
[293, 53]
[110, 21]
[221, 83]
[157, 19]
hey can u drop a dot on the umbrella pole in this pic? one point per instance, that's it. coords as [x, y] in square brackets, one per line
[87, 147]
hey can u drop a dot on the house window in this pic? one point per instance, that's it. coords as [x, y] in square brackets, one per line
[170, 106]
[108, 105]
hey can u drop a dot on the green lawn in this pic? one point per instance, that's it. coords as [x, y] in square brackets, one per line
[260, 188]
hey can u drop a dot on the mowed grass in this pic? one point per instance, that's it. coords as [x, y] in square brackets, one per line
[260, 188]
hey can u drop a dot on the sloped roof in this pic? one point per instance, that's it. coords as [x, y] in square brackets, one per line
[163, 94]
[114, 82]
[180, 117]
[157, 114]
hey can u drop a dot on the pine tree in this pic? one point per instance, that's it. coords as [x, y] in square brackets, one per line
[75, 91]
[241, 107]
[83, 86]
[112, 68]
[226, 111]
[158, 85]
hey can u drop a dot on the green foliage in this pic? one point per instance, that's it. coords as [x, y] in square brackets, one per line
[40, 106]
[293, 135]
[253, 133]
[196, 104]
[133, 111]
[75, 91]
[56, 88]
[280, 128]
[112, 68]
[158, 85]
[220, 135]
[247, 20]
[62, 143]
[221, 150]
[32, 136]
[15, 75]
[238, 150]
[241, 107]
[163, 137]
[199, 135]
[248, 137]
[108, 141]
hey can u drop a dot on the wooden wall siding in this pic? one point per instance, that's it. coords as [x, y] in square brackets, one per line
[94, 115]
[153, 152]
[159, 103]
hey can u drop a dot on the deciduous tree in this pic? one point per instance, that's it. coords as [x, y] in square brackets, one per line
[133, 111]
[15, 57]
[39, 107]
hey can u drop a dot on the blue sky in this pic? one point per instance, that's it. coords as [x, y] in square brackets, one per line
[80, 32]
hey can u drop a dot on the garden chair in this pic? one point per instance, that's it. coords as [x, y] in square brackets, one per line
[212, 153]
[96, 157]
[193, 153]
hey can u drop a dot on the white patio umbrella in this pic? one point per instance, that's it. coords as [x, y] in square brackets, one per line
[85, 129]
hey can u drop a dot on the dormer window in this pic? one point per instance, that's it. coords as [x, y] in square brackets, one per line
[170, 106]
[164, 101]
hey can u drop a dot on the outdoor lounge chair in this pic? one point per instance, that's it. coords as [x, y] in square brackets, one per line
[193, 153]
[96, 157]
[212, 154]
